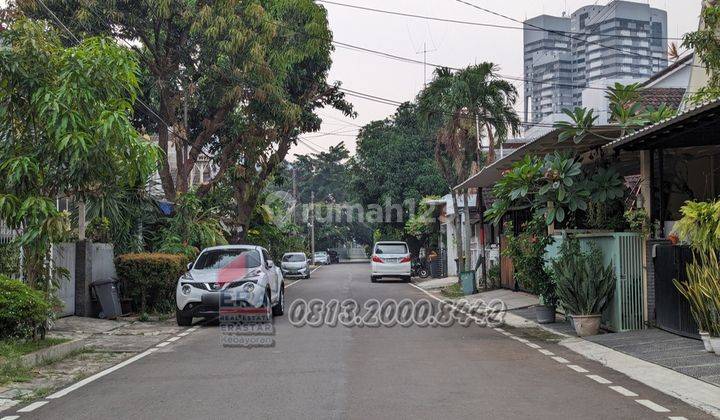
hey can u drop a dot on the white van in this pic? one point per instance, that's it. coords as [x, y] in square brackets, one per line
[390, 259]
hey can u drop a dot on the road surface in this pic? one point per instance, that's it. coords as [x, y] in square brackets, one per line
[361, 373]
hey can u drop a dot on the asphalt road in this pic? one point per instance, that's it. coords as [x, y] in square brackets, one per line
[361, 373]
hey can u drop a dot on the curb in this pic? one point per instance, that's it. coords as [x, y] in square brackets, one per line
[694, 392]
[49, 354]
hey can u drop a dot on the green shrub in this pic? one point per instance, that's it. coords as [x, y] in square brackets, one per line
[23, 311]
[527, 251]
[9, 259]
[150, 279]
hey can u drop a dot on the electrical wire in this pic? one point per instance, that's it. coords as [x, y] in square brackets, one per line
[465, 22]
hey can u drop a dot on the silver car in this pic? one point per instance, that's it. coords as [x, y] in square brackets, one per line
[321, 257]
[295, 264]
[232, 275]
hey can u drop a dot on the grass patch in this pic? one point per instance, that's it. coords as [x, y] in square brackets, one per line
[453, 291]
[11, 350]
[17, 348]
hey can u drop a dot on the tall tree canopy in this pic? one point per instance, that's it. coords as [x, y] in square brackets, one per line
[395, 160]
[65, 129]
[327, 174]
[248, 75]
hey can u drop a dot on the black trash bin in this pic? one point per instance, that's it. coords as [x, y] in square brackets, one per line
[107, 293]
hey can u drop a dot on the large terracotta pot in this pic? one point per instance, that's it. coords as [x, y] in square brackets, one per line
[586, 324]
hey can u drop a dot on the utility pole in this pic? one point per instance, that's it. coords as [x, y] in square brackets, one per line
[312, 225]
[294, 187]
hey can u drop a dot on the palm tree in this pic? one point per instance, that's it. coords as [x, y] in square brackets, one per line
[460, 107]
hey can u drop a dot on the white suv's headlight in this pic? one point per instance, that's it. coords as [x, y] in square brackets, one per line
[248, 287]
[186, 289]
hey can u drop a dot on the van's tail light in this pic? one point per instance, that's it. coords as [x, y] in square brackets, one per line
[377, 259]
[405, 260]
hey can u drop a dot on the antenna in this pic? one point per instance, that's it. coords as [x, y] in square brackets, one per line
[424, 52]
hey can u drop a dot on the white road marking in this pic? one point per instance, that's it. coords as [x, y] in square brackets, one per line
[163, 344]
[499, 329]
[623, 391]
[32, 407]
[546, 352]
[300, 281]
[183, 334]
[577, 368]
[532, 345]
[560, 359]
[599, 379]
[10, 418]
[173, 339]
[99, 375]
[677, 418]
[653, 406]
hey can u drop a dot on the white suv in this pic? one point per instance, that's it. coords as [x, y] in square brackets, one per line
[390, 259]
[239, 274]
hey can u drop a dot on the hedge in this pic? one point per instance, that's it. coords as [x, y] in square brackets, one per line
[23, 311]
[150, 279]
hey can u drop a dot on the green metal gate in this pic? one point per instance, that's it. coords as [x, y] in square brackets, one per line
[624, 250]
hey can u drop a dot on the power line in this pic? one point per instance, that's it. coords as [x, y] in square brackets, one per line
[465, 22]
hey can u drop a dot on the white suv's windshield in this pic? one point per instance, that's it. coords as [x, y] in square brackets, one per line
[391, 249]
[293, 258]
[222, 258]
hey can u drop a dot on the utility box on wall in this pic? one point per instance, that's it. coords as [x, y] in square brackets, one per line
[624, 250]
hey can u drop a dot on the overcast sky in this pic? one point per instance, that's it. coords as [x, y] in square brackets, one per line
[451, 44]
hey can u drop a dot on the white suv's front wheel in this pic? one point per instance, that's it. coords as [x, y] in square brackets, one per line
[279, 308]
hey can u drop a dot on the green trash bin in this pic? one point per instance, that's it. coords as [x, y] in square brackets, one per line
[467, 280]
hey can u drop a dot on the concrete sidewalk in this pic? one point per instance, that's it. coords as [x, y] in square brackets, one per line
[104, 344]
[674, 365]
[512, 300]
[433, 284]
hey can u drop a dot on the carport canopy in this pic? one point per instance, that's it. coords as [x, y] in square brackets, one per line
[541, 146]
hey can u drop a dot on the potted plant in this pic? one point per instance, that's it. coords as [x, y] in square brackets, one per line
[527, 251]
[584, 286]
[700, 306]
[699, 227]
[545, 312]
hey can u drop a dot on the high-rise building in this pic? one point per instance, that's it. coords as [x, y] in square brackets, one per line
[595, 46]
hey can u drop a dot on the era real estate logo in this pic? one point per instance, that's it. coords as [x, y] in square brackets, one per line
[245, 310]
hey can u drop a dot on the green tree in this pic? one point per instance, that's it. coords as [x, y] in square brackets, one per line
[395, 160]
[65, 130]
[327, 174]
[248, 74]
[706, 44]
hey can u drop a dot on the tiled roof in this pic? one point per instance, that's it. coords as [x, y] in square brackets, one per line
[709, 104]
[655, 97]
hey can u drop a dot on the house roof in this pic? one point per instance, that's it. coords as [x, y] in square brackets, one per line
[547, 143]
[698, 126]
[655, 97]
[686, 60]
